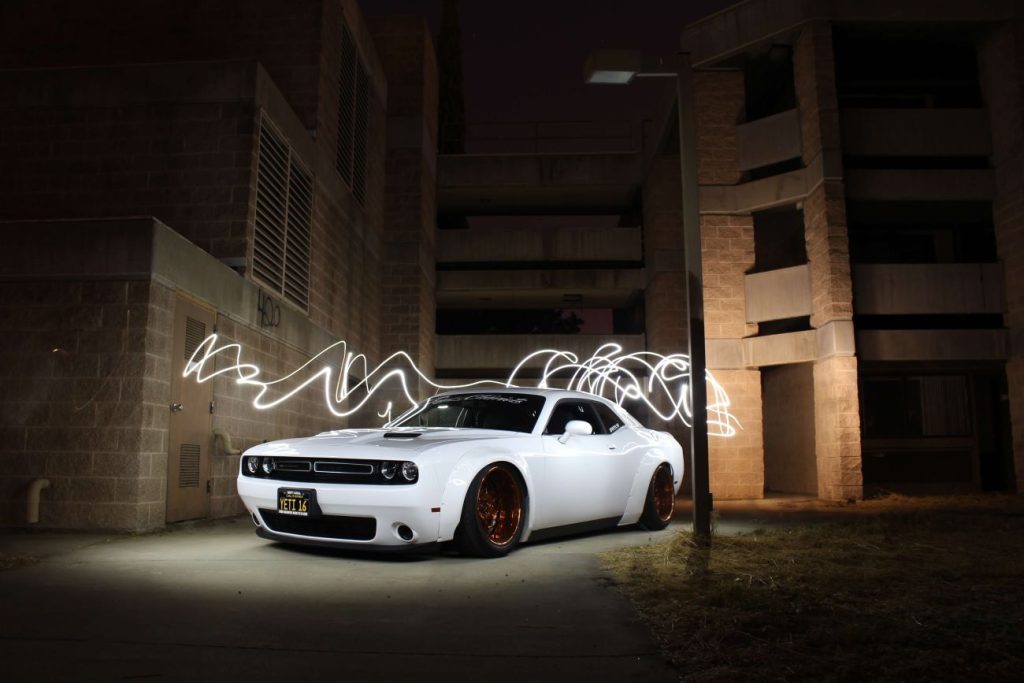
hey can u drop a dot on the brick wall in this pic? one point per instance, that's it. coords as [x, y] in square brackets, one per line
[737, 463]
[719, 98]
[727, 250]
[837, 429]
[284, 35]
[1001, 61]
[304, 415]
[410, 216]
[188, 162]
[836, 412]
[80, 403]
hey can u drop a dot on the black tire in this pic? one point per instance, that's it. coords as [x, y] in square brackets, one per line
[661, 495]
[494, 512]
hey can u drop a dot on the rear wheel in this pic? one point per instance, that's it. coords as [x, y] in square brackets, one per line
[494, 512]
[661, 498]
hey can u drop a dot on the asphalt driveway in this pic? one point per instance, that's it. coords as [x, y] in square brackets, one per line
[214, 602]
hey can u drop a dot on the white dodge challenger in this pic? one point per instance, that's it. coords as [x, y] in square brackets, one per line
[488, 469]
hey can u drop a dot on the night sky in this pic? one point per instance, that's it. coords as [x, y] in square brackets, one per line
[523, 60]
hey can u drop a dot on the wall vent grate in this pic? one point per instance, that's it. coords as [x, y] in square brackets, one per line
[188, 466]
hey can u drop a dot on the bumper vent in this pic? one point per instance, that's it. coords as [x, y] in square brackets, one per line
[325, 526]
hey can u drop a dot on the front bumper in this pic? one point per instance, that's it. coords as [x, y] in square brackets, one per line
[390, 507]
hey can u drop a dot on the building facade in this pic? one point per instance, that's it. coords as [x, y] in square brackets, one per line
[858, 219]
[268, 171]
[170, 172]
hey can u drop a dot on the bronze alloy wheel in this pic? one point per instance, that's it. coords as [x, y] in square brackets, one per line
[499, 506]
[664, 493]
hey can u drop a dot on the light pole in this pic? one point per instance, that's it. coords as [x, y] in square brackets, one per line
[619, 67]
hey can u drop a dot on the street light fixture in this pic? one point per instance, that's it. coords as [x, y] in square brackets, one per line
[620, 67]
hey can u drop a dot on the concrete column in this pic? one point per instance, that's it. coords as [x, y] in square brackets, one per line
[727, 249]
[410, 207]
[836, 415]
[1001, 62]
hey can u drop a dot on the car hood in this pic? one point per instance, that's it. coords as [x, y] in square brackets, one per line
[365, 442]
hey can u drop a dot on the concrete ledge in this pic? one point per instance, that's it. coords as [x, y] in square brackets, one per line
[920, 184]
[466, 288]
[778, 294]
[769, 140]
[143, 249]
[503, 352]
[916, 132]
[835, 338]
[607, 244]
[737, 28]
[908, 345]
[929, 288]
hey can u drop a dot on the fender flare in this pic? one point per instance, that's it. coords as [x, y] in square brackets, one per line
[461, 476]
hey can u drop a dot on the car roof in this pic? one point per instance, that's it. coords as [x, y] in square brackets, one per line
[547, 392]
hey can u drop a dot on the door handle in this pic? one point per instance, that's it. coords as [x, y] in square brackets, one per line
[177, 407]
[612, 447]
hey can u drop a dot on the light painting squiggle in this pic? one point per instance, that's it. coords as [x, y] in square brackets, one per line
[660, 382]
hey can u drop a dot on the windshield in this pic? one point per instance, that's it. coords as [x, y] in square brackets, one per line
[509, 412]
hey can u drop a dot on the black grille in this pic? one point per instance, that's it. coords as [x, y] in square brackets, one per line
[325, 526]
[325, 472]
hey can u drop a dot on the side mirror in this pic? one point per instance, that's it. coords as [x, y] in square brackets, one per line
[576, 428]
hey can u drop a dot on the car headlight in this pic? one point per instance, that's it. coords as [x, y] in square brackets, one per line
[388, 469]
[410, 472]
[252, 465]
[268, 465]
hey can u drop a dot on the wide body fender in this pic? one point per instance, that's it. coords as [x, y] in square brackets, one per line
[666, 452]
[468, 466]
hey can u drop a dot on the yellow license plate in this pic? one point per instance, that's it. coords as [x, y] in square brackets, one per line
[299, 502]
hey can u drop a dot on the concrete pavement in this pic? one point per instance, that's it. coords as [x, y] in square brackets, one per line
[215, 602]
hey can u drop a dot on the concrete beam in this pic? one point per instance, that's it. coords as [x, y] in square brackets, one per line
[769, 140]
[755, 22]
[778, 294]
[608, 244]
[932, 345]
[503, 352]
[916, 132]
[928, 288]
[920, 184]
[551, 183]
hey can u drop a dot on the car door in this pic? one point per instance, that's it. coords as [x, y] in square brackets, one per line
[582, 479]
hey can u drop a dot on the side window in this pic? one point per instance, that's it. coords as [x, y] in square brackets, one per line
[565, 411]
[612, 422]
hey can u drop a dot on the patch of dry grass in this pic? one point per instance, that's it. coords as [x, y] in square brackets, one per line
[907, 589]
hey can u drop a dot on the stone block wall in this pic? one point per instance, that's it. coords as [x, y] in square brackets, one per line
[837, 429]
[410, 216]
[284, 35]
[736, 464]
[836, 410]
[75, 154]
[303, 415]
[79, 403]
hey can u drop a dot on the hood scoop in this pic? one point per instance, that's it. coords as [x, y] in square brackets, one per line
[402, 435]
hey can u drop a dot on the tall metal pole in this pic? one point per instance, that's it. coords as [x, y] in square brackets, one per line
[699, 477]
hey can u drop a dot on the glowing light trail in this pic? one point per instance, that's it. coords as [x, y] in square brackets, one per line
[660, 382]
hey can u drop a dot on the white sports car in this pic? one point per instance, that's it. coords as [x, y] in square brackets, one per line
[486, 468]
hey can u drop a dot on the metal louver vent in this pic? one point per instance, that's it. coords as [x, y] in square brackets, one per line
[271, 208]
[284, 217]
[188, 466]
[300, 218]
[362, 119]
[346, 106]
[195, 333]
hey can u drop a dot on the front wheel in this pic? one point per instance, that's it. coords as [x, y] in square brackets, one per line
[494, 512]
[661, 498]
